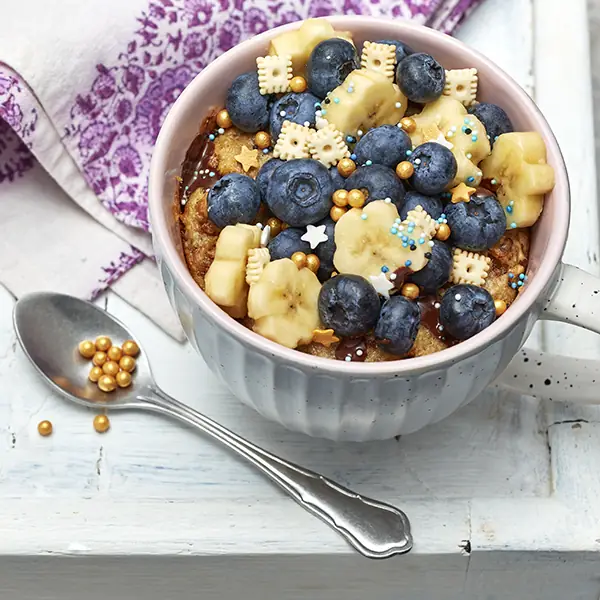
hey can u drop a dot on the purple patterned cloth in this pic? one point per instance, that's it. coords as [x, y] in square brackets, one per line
[109, 127]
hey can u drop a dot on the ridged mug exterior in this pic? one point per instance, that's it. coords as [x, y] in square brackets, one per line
[334, 399]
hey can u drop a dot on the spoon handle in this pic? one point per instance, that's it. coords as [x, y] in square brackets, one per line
[375, 529]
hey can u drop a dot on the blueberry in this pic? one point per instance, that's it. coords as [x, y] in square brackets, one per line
[385, 145]
[466, 310]
[476, 225]
[297, 108]
[398, 324]
[402, 49]
[432, 205]
[339, 182]
[326, 250]
[494, 119]
[435, 168]
[349, 305]
[437, 271]
[247, 107]
[264, 176]
[378, 183]
[288, 242]
[233, 199]
[329, 64]
[421, 78]
[299, 192]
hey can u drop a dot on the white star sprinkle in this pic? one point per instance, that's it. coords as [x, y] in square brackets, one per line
[265, 236]
[381, 284]
[443, 141]
[315, 235]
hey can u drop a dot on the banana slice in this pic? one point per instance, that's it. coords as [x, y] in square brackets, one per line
[371, 238]
[284, 303]
[225, 281]
[466, 133]
[518, 165]
[300, 43]
[366, 99]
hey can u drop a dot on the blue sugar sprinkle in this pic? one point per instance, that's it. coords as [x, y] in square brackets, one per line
[399, 235]
[211, 174]
[211, 137]
[336, 100]
[353, 156]
[408, 152]
[470, 179]
[513, 286]
[323, 112]
[404, 238]
[384, 269]
[369, 163]
[466, 121]
[474, 138]
[421, 240]
[510, 275]
[513, 225]
[509, 209]
[393, 230]
[363, 217]
[412, 242]
[521, 276]
[519, 283]
[408, 263]
[404, 244]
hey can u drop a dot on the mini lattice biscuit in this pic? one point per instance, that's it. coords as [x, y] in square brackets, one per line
[469, 267]
[292, 141]
[327, 146]
[274, 73]
[423, 223]
[380, 58]
[258, 259]
[461, 84]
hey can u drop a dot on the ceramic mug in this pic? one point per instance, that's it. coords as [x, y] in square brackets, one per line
[372, 401]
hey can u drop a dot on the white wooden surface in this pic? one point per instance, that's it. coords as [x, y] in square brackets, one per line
[159, 512]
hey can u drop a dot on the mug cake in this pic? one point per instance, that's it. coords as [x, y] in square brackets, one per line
[359, 204]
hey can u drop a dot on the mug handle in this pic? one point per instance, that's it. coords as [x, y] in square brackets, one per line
[576, 300]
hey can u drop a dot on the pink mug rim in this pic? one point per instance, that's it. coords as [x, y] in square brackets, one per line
[501, 327]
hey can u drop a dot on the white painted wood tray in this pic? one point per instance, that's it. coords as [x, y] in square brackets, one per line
[503, 496]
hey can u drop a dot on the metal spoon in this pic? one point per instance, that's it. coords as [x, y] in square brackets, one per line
[49, 328]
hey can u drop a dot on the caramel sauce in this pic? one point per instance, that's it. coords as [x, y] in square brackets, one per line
[197, 160]
[351, 347]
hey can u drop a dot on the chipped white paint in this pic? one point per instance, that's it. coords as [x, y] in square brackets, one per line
[162, 513]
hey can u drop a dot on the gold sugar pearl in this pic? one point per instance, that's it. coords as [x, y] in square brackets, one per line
[127, 363]
[340, 198]
[99, 358]
[95, 374]
[410, 291]
[111, 367]
[87, 348]
[337, 212]
[223, 119]
[103, 343]
[275, 224]
[131, 348]
[114, 353]
[346, 167]
[299, 259]
[356, 199]
[298, 84]
[44, 428]
[107, 383]
[123, 379]
[405, 169]
[313, 262]
[262, 140]
[500, 306]
[409, 125]
[101, 423]
[443, 232]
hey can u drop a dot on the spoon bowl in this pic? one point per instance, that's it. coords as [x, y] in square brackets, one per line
[49, 328]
